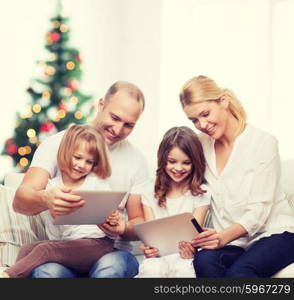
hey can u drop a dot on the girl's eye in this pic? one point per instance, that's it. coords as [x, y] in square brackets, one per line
[187, 163]
[171, 161]
[205, 114]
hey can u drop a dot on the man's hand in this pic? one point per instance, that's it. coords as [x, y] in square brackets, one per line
[60, 201]
[186, 250]
[114, 225]
[149, 251]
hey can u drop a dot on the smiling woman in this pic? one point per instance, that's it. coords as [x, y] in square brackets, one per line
[249, 211]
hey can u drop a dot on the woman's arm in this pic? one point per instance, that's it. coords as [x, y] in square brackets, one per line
[200, 213]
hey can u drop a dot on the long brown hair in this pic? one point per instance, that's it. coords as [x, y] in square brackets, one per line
[96, 146]
[187, 140]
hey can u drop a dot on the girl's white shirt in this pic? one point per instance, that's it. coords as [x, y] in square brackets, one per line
[174, 206]
[73, 232]
[248, 190]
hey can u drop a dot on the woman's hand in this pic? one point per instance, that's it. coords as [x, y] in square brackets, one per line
[209, 239]
[60, 201]
[114, 225]
[149, 251]
[186, 250]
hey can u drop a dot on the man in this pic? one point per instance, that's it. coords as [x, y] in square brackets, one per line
[117, 115]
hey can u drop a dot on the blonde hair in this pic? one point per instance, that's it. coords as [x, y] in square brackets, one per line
[96, 146]
[202, 88]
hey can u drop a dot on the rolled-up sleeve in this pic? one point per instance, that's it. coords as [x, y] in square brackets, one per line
[263, 188]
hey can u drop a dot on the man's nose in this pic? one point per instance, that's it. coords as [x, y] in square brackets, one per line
[118, 128]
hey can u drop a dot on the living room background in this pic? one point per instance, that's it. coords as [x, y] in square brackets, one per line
[245, 45]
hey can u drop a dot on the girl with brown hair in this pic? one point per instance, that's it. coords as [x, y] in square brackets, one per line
[179, 187]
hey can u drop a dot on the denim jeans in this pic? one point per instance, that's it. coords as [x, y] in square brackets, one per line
[264, 258]
[119, 263]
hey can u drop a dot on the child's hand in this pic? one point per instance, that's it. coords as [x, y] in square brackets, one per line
[113, 219]
[114, 226]
[186, 250]
[149, 251]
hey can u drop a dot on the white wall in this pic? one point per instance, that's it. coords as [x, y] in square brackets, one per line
[245, 45]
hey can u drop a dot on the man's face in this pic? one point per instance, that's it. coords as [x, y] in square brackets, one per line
[117, 118]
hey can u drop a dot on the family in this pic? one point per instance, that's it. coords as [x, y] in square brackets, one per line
[231, 169]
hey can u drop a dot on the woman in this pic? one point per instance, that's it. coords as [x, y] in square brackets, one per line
[253, 233]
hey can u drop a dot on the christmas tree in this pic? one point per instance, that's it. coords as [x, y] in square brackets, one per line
[56, 101]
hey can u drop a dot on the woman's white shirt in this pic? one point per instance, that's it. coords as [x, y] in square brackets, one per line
[248, 190]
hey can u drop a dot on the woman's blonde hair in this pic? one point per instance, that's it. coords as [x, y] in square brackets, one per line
[202, 88]
[96, 146]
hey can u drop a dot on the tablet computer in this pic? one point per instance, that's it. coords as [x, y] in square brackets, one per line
[99, 205]
[166, 233]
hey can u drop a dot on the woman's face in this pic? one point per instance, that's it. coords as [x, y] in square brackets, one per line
[209, 117]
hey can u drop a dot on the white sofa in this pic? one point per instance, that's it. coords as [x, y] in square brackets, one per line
[17, 229]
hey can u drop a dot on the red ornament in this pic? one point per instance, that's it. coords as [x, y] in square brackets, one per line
[62, 106]
[73, 85]
[78, 57]
[55, 37]
[9, 141]
[11, 149]
[47, 127]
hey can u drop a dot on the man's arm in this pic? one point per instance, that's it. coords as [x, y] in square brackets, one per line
[135, 212]
[32, 197]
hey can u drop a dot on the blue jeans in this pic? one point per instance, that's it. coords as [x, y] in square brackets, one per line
[264, 258]
[119, 263]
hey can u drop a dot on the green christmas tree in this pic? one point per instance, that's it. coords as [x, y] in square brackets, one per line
[56, 101]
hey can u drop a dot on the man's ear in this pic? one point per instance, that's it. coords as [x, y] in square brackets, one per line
[101, 104]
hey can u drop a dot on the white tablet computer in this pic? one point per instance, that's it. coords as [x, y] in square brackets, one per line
[99, 205]
[166, 233]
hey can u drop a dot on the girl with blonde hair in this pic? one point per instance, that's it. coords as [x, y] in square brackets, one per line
[83, 163]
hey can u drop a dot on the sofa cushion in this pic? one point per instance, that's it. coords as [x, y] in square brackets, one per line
[16, 229]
